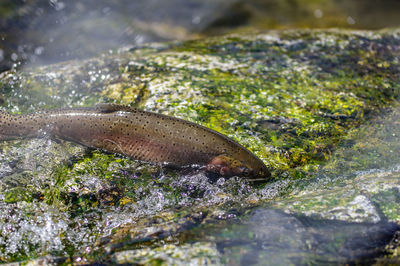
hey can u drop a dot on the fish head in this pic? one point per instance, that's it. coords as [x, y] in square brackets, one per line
[228, 166]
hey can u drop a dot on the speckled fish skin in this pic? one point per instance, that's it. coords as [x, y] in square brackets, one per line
[138, 134]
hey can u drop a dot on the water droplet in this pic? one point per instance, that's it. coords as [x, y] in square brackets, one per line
[14, 56]
[196, 19]
[350, 20]
[106, 10]
[318, 13]
[39, 50]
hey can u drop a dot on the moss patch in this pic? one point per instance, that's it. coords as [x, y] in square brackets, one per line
[312, 105]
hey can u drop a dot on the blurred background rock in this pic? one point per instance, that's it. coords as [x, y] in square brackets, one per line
[34, 32]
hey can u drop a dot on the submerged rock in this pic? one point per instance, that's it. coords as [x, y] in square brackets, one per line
[319, 108]
[270, 237]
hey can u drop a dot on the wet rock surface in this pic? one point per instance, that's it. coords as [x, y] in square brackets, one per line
[271, 237]
[320, 108]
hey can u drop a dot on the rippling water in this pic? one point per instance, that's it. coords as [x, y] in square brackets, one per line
[346, 212]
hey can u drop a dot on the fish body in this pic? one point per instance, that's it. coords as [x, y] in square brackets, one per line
[138, 134]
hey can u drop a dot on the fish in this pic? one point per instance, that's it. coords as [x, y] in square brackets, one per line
[140, 135]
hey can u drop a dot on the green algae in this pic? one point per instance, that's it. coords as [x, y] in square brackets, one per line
[196, 254]
[310, 104]
[322, 107]
[388, 201]
[18, 194]
[361, 180]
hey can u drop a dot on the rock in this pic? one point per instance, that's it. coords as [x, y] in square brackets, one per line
[270, 237]
[319, 107]
[196, 254]
[38, 31]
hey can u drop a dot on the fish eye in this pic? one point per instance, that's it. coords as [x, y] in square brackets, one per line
[261, 173]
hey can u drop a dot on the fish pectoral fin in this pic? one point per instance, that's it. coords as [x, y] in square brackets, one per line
[227, 166]
[111, 108]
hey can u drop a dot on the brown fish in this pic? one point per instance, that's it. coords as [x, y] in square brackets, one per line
[138, 134]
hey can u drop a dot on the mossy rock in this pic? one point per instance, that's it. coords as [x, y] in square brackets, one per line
[318, 107]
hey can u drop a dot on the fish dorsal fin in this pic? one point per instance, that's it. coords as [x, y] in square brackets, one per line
[112, 107]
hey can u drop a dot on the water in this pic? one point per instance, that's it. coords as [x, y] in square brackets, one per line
[271, 237]
[76, 205]
[217, 218]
